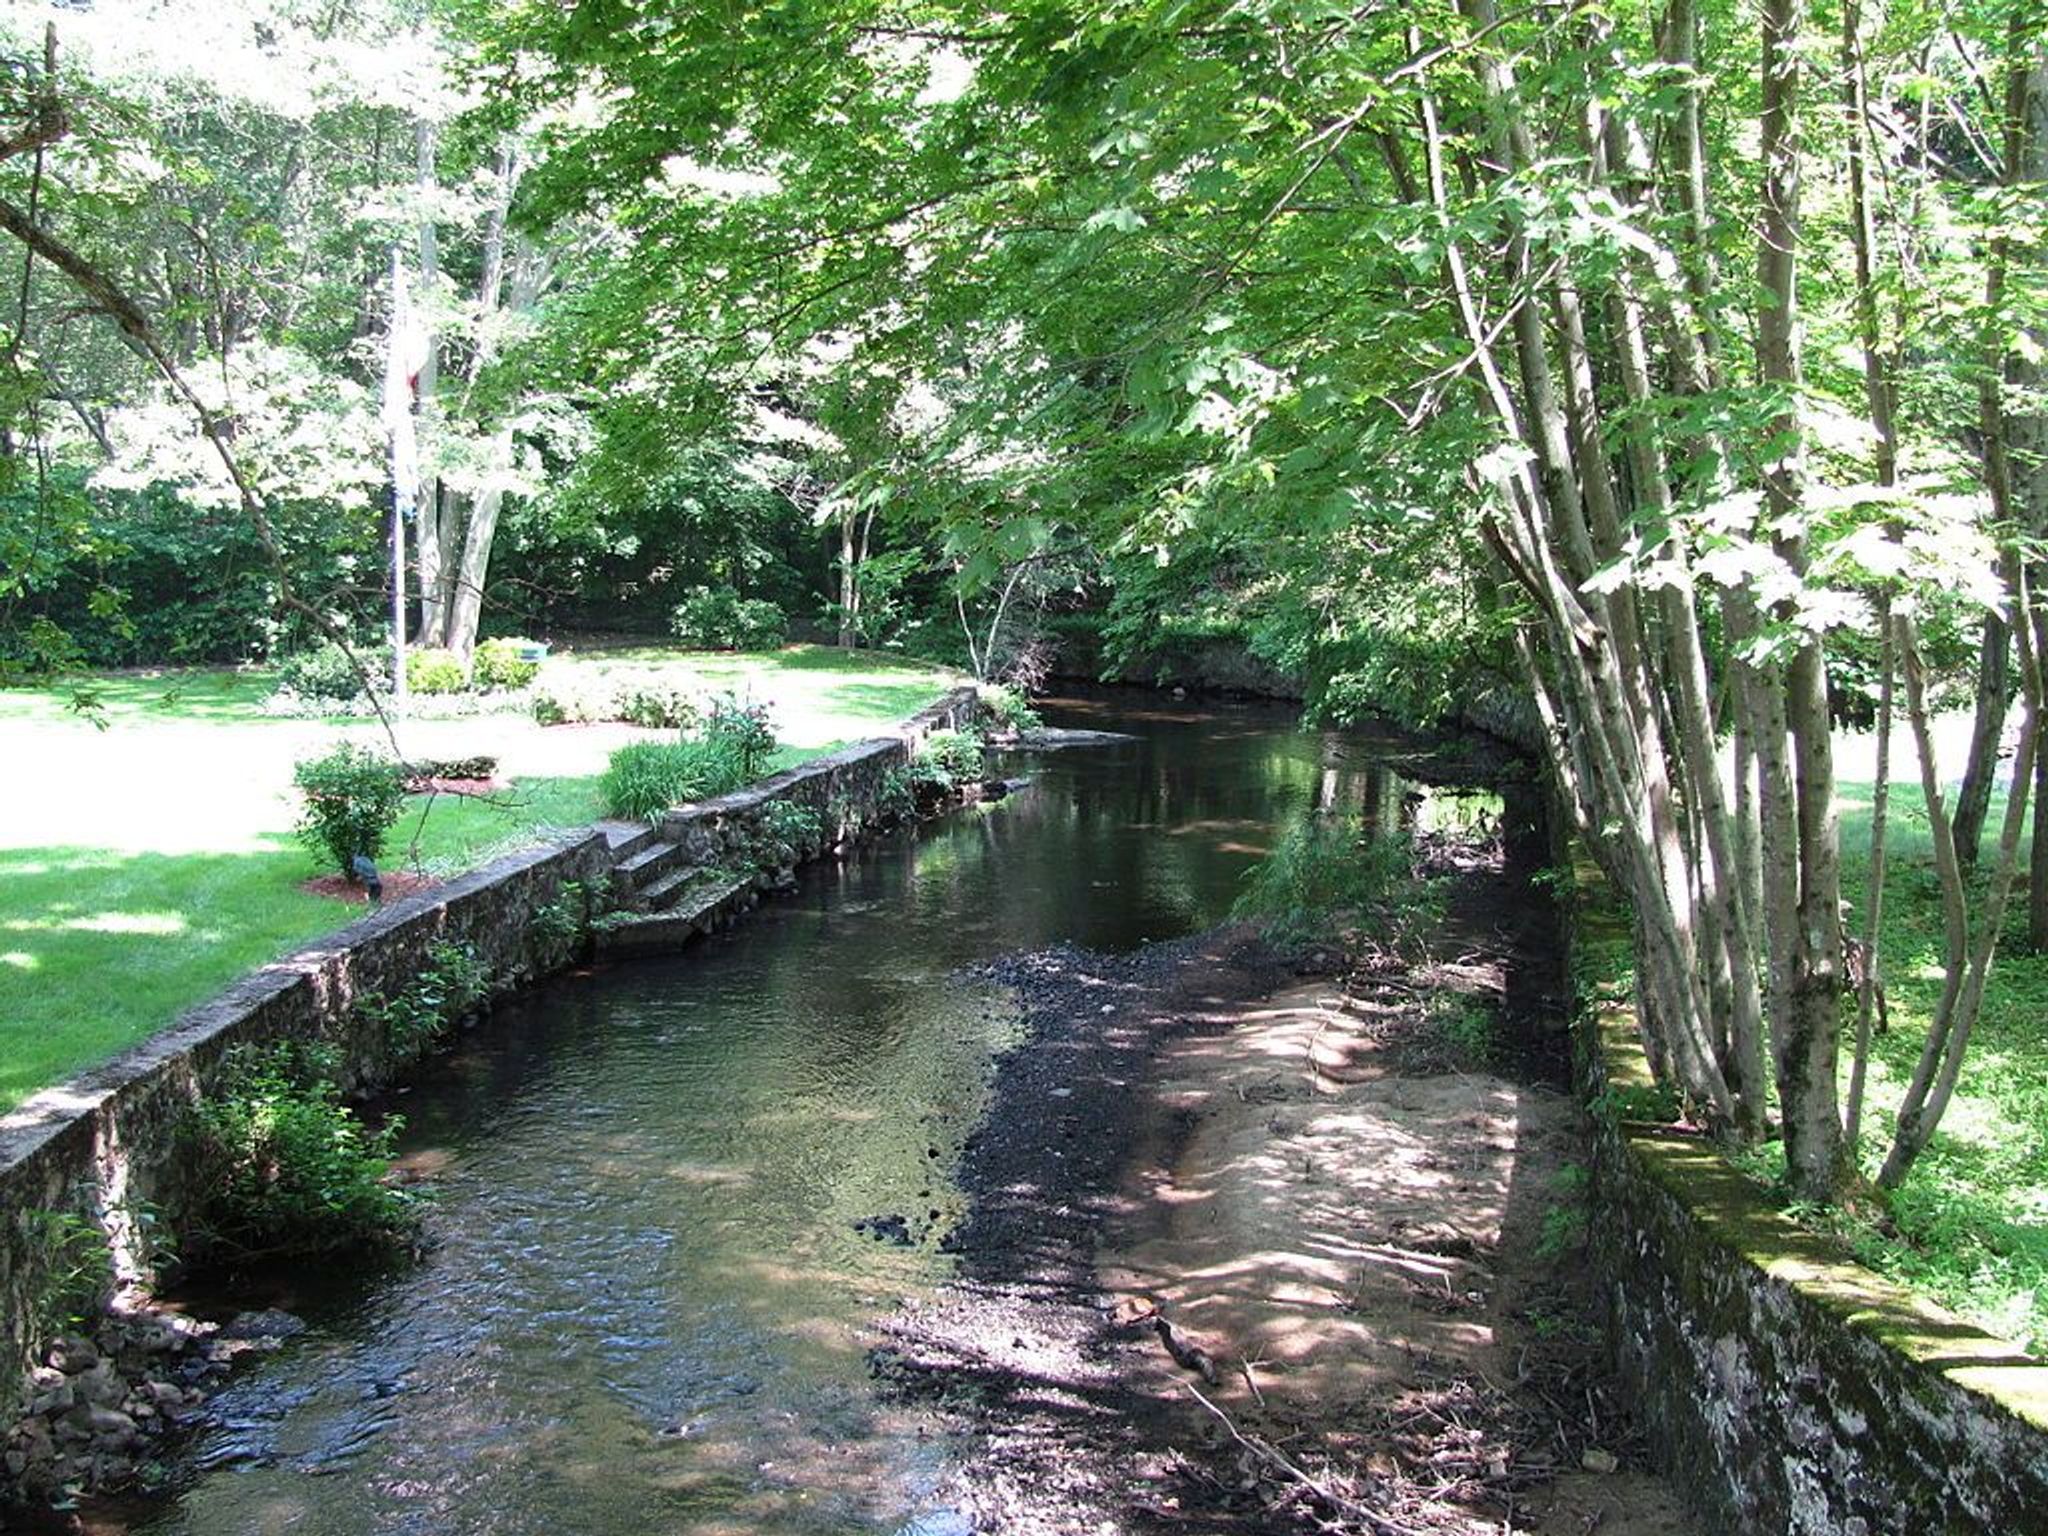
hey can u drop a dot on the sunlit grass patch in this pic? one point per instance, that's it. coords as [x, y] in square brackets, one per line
[1970, 1225]
[146, 861]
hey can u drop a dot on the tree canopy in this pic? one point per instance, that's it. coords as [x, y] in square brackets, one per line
[1671, 371]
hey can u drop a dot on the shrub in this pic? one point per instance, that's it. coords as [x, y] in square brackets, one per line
[947, 760]
[742, 731]
[282, 1166]
[896, 797]
[574, 698]
[1326, 868]
[1010, 706]
[327, 673]
[645, 778]
[435, 671]
[719, 619]
[453, 982]
[353, 797]
[581, 698]
[504, 663]
[786, 835]
[659, 703]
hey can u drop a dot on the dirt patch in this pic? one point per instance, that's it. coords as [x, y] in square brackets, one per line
[425, 786]
[397, 883]
[1250, 1252]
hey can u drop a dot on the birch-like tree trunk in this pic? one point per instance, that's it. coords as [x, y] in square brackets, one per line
[432, 533]
[1808, 1047]
[477, 513]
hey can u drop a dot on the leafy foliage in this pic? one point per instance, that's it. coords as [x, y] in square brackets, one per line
[282, 1166]
[446, 990]
[504, 662]
[719, 619]
[740, 730]
[947, 761]
[646, 778]
[1011, 707]
[785, 834]
[326, 672]
[1327, 875]
[74, 1270]
[433, 671]
[352, 796]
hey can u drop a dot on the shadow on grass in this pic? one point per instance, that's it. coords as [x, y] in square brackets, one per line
[99, 949]
[205, 694]
[447, 833]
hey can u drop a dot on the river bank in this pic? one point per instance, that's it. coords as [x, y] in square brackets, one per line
[1253, 1250]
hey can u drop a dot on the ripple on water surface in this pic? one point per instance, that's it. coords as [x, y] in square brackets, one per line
[645, 1305]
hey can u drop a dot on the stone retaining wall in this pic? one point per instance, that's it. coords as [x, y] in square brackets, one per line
[842, 788]
[106, 1145]
[1787, 1389]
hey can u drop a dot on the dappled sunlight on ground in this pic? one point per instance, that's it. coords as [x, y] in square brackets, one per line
[1303, 1212]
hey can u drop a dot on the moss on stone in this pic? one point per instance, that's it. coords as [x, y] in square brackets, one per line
[1728, 1208]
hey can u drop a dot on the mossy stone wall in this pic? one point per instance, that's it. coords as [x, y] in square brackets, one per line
[1787, 1389]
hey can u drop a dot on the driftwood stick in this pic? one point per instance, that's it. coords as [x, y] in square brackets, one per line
[1349, 1509]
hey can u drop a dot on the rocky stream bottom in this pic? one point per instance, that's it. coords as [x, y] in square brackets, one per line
[1255, 1243]
[1257, 1247]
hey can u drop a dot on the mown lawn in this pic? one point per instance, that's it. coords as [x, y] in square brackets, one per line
[1970, 1225]
[146, 855]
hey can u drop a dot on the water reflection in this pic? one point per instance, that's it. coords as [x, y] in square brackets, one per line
[645, 1305]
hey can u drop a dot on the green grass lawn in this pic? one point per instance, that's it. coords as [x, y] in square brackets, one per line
[146, 855]
[1970, 1225]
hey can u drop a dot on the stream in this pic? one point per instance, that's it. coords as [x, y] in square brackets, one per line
[655, 1259]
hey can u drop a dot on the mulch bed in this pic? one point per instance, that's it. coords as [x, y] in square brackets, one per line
[457, 786]
[398, 883]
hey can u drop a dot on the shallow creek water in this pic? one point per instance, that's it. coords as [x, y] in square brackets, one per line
[645, 1303]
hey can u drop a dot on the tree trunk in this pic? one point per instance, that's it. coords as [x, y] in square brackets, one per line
[1880, 393]
[404, 452]
[1806, 1057]
[849, 583]
[465, 577]
[465, 606]
[433, 536]
[1994, 683]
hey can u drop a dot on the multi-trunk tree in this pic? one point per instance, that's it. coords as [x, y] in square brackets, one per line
[1302, 279]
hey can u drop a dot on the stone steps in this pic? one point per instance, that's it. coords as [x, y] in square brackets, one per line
[700, 903]
[639, 872]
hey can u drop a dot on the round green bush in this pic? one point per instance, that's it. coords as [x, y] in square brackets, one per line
[326, 672]
[435, 671]
[719, 619]
[505, 663]
[353, 797]
[948, 760]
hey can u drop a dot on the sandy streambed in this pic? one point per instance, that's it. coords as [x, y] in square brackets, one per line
[1365, 1257]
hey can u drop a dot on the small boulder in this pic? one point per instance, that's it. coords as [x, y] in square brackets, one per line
[108, 1425]
[262, 1327]
[100, 1386]
[71, 1354]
